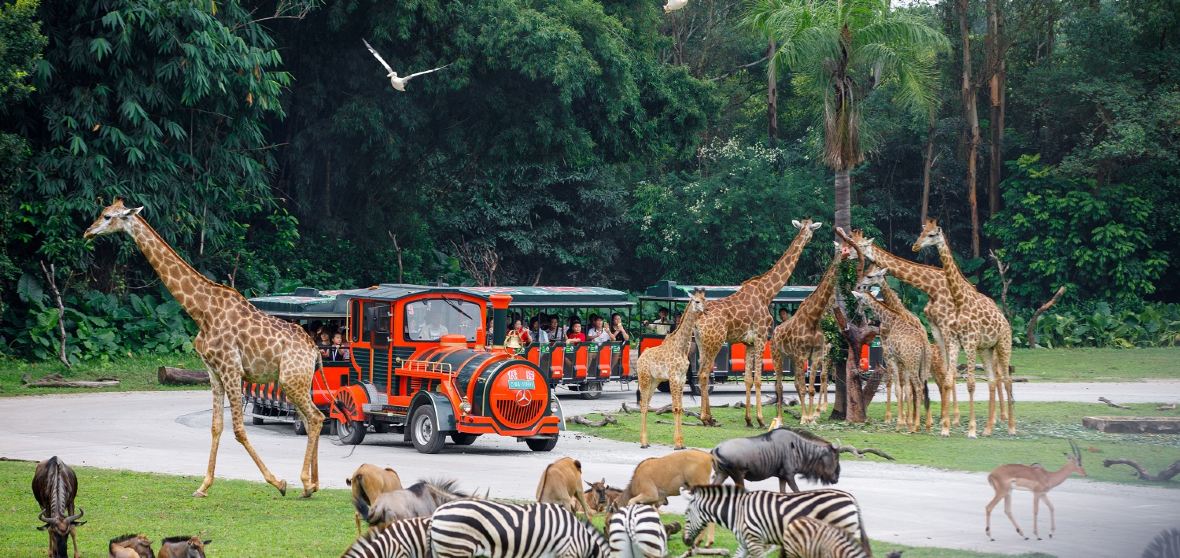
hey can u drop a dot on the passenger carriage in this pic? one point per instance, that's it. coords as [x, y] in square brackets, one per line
[579, 367]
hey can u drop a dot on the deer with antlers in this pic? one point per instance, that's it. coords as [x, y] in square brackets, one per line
[1036, 479]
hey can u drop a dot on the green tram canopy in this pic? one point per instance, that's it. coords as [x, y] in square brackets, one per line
[671, 291]
[304, 303]
[555, 297]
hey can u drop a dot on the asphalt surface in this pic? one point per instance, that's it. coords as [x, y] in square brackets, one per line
[168, 432]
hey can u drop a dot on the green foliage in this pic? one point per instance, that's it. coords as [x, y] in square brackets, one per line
[1060, 231]
[1100, 325]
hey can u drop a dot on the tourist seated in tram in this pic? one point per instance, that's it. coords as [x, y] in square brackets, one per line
[576, 335]
[338, 351]
[553, 334]
[521, 332]
[662, 325]
[323, 339]
[534, 328]
[783, 315]
[597, 332]
[433, 329]
[616, 330]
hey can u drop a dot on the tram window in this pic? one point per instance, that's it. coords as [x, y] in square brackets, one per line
[356, 321]
[377, 323]
[429, 320]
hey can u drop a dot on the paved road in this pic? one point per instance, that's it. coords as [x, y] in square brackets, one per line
[167, 432]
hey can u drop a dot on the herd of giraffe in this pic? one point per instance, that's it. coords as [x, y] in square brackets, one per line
[960, 318]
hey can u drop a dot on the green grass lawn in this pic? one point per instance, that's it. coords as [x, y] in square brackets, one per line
[242, 518]
[1043, 432]
[134, 373]
[1097, 365]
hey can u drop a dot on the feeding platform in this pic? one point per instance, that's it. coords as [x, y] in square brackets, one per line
[1134, 425]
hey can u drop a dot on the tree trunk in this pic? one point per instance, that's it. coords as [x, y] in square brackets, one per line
[972, 116]
[996, 68]
[927, 167]
[843, 215]
[178, 376]
[771, 95]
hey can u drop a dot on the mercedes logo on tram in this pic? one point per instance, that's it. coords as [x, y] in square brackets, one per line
[524, 397]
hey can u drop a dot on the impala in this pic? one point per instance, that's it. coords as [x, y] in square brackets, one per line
[1036, 479]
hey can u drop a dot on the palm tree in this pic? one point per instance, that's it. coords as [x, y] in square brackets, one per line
[840, 51]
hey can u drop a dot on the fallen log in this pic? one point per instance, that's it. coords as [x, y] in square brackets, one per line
[705, 552]
[1163, 476]
[1171, 407]
[860, 453]
[57, 380]
[688, 423]
[1112, 403]
[167, 375]
[606, 419]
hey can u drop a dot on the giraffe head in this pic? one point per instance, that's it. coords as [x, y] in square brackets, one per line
[862, 245]
[931, 235]
[113, 218]
[696, 301]
[806, 227]
[874, 276]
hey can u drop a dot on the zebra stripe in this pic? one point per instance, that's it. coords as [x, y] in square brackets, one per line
[407, 538]
[759, 519]
[811, 538]
[468, 528]
[637, 532]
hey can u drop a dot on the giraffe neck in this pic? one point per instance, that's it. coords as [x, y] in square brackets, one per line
[955, 280]
[768, 284]
[178, 276]
[887, 315]
[681, 338]
[894, 303]
[814, 305]
[929, 279]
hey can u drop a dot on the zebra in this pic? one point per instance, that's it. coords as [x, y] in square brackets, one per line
[759, 519]
[807, 537]
[637, 532]
[468, 528]
[405, 538]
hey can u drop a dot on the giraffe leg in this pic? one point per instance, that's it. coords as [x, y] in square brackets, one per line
[754, 369]
[949, 369]
[216, 428]
[826, 365]
[992, 396]
[888, 393]
[645, 387]
[748, 381]
[1003, 357]
[234, 394]
[800, 377]
[812, 409]
[778, 357]
[295, 377]
[707, 353]
[677, 411]
[953, 364]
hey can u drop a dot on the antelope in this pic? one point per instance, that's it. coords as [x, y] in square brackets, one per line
[1030, 477]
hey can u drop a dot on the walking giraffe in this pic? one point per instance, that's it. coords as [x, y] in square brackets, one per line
[907, 360]
[236, 341]
[801, 339]
[668, 362]
[980, 329]
[744, 317]
[940, 309]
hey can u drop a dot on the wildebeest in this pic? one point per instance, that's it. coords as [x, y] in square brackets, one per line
[183, 547]
[599, 495]
[131, 546]
[54, 486]
[781, 453]
[657, 478]
[369, 482]
[419, 500]
[561, 483]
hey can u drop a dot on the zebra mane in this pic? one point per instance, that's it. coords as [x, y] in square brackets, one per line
[716, 489]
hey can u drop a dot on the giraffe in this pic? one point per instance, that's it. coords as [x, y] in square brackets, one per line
[906, 352]
[940, 308]
[669, 362]
[802, 340]
[744, 317]
[876, 276]
[980, 329]
[236, 341]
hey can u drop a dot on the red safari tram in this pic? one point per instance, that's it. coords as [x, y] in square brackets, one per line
[421, 365]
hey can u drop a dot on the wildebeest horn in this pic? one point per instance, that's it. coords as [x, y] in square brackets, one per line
[74, 518]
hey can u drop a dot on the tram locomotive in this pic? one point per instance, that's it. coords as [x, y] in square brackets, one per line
[422, 366]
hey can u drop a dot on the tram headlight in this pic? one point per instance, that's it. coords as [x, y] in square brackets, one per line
[464, 405]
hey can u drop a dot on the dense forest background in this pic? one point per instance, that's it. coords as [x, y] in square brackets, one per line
[592, 142]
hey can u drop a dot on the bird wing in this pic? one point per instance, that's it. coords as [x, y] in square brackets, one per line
[377, 56]
[411, 76]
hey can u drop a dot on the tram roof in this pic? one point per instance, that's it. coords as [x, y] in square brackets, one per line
[673, 291]
[553, 297]
[305, 302]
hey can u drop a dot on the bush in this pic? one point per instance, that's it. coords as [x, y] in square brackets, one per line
[1097, 324]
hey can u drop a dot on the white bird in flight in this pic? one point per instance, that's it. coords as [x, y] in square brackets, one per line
[674, 5]
[398, 83]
